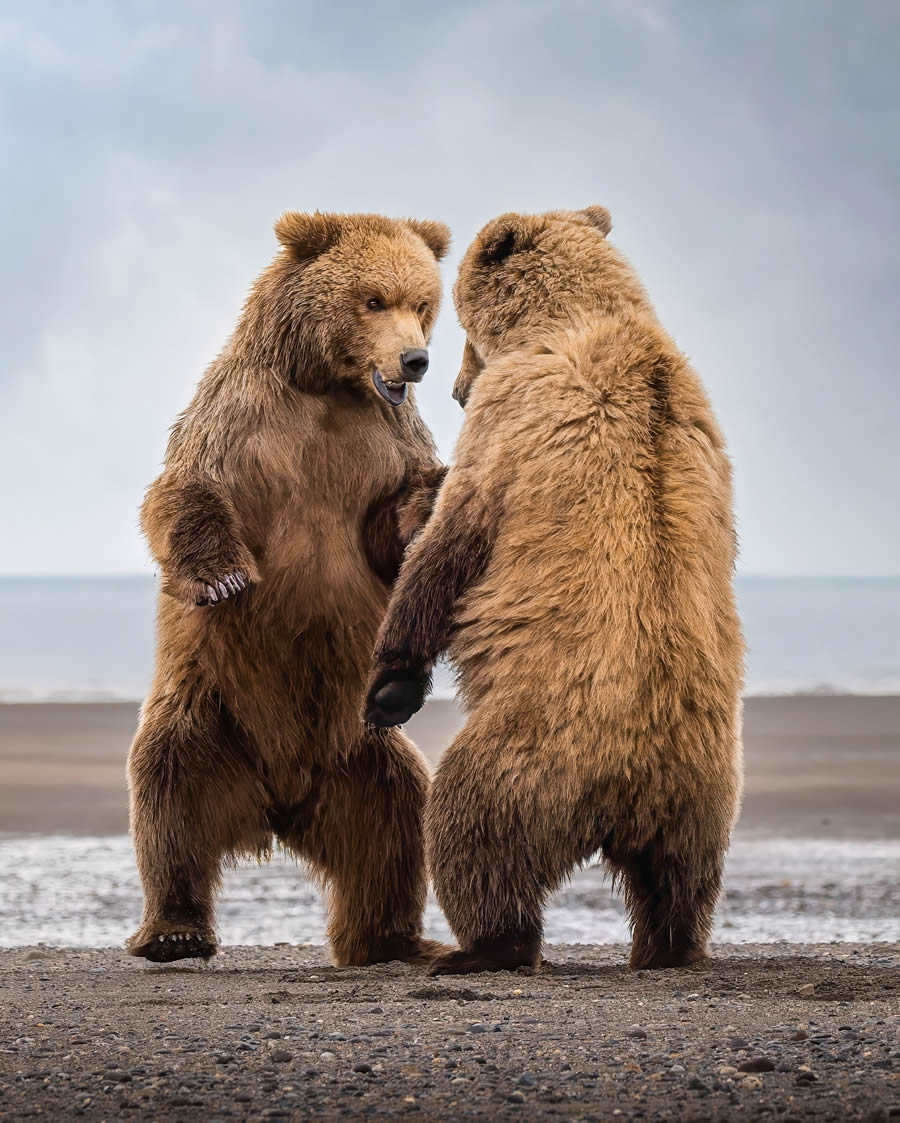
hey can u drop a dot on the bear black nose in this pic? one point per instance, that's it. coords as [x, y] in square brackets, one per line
[414, 363]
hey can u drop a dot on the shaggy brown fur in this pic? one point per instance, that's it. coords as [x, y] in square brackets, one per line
[578, 568]
[292, 484]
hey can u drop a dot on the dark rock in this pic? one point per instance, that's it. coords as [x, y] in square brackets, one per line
[757, 1064]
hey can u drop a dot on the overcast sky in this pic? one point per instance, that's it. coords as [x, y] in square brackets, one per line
[749, 153]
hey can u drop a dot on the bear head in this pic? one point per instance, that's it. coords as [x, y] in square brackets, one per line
[527, 276]
[352, 299]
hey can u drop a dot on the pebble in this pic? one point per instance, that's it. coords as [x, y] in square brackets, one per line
[738, 1043]
[515, 1098]
[223, 1058]
[118, 1076]
[676, 1068]
[526, 1080]
[799, 1035]
[281, 1056]
[326, 1056]
[806, 1077]
[484, 1027]
[636, 1031]
[807, 988]
[757, 1064]
[362, 1067]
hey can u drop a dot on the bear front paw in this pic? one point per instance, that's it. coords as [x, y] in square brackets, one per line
[397, 691]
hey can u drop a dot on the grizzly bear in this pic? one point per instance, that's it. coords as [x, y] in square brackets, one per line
[292, 484]
[578, 569]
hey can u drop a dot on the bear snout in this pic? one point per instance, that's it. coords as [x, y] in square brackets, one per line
[414, 363]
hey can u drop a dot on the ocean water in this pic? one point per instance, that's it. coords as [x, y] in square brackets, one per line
[91, 639]
[84, 892]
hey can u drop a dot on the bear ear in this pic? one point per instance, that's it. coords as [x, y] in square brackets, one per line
[307, 235]
[435, 235]
[504, 236]
[599, 217]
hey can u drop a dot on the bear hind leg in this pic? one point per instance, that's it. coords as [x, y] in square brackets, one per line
[193, 800]
[671, 898]
[505, 825]
[364, 839]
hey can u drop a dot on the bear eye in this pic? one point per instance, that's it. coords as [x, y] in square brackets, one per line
[422, 311]
[375, 304]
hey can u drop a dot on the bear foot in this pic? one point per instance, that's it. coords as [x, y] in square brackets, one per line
[394, 948]
[500, 954]
[165, 947]
[653, 959]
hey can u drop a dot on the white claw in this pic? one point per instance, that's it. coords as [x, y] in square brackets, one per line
[162, 939]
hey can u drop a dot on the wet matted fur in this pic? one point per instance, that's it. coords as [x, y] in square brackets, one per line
[291, 487]
[578, 569]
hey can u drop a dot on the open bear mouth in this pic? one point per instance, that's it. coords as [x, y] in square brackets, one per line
[392, 392]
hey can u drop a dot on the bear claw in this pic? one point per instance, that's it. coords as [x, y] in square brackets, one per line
[167, 948]
[229, 585]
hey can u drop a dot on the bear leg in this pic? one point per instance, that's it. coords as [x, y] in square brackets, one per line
[671, 898]
[504, 826]
[193, 799]
[364, 838]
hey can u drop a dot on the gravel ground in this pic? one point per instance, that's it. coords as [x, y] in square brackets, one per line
[787, 1032]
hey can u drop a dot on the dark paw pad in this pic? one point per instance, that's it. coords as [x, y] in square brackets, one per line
[396, 695]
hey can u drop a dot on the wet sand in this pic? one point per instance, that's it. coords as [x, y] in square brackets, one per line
[795, 1033]
[815, 766]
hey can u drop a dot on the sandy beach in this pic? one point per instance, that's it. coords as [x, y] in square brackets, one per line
[814, 765]
[793, 1033]
[799, 1030]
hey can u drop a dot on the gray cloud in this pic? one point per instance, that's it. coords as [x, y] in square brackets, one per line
[748, 152]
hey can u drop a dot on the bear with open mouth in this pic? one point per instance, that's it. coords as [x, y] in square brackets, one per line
[292, 484]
